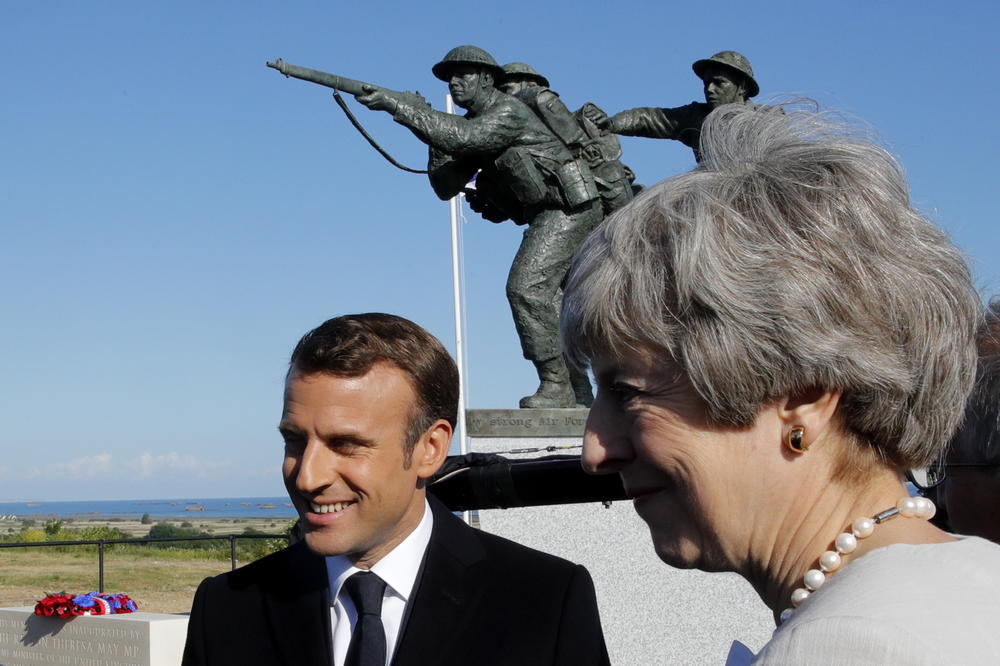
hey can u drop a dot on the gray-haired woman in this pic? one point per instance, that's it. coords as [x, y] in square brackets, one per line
[777, 336]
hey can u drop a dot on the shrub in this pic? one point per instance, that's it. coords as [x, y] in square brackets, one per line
[32, 535]
[101, 533]
[145, 520]
[166, 530]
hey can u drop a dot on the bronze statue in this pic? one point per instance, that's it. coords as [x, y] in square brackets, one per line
[598, 147]
[727, 78]
[522, 172]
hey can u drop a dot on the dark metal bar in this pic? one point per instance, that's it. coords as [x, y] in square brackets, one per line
[100, 567]
[100, 543]
[515, 483]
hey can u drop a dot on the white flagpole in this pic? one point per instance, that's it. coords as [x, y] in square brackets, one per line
[456, 281]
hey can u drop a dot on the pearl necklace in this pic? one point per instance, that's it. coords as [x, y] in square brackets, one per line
[847, 542]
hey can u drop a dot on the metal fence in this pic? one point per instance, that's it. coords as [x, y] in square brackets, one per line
[101, 543]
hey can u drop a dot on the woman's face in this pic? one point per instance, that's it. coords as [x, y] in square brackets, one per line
[694, 483]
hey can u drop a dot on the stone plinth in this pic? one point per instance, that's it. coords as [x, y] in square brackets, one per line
[141, 639]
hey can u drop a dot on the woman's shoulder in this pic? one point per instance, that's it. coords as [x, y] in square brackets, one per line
[904, 603]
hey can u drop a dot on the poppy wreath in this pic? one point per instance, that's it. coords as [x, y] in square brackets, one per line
[66, 605]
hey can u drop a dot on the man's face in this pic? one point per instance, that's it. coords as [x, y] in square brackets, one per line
[464, 84]
[345, 466]
[723, 87]
[513, 85]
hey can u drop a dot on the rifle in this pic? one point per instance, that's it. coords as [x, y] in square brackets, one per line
[341, 83]
[351, 87]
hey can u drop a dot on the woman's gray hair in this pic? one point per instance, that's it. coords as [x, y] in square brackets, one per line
[789, 259]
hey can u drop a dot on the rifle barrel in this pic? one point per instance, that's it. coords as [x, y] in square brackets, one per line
[341, 83]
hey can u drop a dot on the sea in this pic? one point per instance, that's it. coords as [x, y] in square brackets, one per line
[225, 507]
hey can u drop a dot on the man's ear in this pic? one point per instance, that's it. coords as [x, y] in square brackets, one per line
[432, 448]
[811, 409]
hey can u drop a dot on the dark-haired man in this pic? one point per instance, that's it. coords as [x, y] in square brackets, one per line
[384, 575]
[727, 78]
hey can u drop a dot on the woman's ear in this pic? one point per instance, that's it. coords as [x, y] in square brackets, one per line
[810, 411]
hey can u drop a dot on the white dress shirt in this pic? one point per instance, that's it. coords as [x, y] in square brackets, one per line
[398, 569]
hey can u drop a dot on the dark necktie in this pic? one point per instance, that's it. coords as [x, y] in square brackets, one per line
[368, 640]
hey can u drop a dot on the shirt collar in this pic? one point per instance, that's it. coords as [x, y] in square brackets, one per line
[398, 568]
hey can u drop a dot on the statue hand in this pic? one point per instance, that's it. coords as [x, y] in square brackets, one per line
[595, 115]
[378, 99]
[419, 99]
[480, 205]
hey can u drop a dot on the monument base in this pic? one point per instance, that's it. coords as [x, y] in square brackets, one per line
[140, 639]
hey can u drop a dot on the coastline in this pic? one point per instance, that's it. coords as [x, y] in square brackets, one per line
[135, 528]
[190, 509]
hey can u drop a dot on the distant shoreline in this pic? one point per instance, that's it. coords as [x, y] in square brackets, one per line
[167, 509]
[131, 517]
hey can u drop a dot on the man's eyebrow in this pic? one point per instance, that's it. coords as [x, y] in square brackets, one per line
[351, 438]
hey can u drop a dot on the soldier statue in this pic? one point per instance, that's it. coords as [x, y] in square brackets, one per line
[728, 79]
[526, 174]
[600, 148]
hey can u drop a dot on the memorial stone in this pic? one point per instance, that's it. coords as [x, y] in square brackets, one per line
[134, 639]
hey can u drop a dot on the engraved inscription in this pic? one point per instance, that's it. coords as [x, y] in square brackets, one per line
[52, 641]
[526, 422]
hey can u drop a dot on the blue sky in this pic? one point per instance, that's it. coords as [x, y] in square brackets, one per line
[175, 215]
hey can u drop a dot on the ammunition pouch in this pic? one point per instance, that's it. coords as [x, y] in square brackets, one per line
[576, 183]
[517, 169]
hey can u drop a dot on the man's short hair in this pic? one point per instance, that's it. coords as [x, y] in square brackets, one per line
[349, 345]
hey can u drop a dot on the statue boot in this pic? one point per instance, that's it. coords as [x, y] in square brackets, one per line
[580, 382]
[554, 390]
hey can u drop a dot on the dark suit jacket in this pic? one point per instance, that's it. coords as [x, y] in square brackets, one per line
[479, 600]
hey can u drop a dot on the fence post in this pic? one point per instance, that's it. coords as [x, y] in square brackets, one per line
[232, 550]
[100, 566]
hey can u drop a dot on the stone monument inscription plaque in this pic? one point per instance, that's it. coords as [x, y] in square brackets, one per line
[142, 639]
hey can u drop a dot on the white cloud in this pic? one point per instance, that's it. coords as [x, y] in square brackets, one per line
[144, 467]
[79, 468]
[147, 465]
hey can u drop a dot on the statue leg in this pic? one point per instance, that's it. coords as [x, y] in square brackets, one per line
[534, 290]
[582, 390]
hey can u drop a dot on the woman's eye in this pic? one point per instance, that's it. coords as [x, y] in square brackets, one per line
[623, 392]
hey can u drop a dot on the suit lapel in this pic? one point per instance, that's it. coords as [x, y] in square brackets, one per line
[445, 595]
[297, 605]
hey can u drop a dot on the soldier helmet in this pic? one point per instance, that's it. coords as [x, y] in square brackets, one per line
[466, 55]
[525, 71]
[732, 61]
